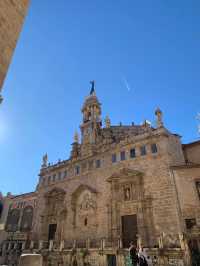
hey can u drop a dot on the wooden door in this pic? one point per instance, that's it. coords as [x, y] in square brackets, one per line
[129, 230]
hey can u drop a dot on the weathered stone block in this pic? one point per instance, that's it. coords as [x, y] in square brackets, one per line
[30, 260]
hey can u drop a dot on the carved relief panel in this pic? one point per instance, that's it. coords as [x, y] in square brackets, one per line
[84, 205]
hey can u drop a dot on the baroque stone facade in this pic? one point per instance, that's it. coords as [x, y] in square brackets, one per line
[12, 14]
[121, 184]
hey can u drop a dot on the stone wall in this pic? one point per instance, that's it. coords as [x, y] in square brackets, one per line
[189, 199]
[192, 152]
[12, 14]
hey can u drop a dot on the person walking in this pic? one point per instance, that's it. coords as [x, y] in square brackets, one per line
[142, 257]
[133, 254]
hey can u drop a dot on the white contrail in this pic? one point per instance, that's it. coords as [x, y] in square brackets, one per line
[126, 83]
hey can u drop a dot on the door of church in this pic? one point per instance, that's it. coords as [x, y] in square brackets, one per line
[52, 231]
[129, 230]
[111, 259]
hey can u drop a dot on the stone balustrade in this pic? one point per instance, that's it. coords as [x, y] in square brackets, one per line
[103, 243]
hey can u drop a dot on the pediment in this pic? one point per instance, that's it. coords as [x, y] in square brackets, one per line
[124, 173]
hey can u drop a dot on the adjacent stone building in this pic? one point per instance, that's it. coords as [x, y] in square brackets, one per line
[16, 223]
[121, 184]
[12, 14]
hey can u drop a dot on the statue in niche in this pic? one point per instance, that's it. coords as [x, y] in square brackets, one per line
[127, 193]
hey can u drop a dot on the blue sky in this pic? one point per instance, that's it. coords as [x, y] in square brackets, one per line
[151, 45]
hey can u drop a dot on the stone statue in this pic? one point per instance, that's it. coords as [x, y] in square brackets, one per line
[159, 115]
[92, 91]
[76, 137]
[45, 160]
[127, 193]
[107, 122]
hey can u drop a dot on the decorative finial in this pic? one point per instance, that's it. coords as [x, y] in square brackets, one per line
[107, 121]
[44, 160]
[159, 115]
[76, 137]
[92, 91]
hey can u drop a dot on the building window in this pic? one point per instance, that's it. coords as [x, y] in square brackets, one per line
[198, 187]
[114, 158]
[143, 150]
[98, 163]
[65, 174]
[77, 170]
[27, 218]
[154, 148]
[49, 179]
[190, 223]
[86, 222]
[132, 153]
[59, 175]
[54, 178]
[7, 246]
[12, 220]
[122, 155]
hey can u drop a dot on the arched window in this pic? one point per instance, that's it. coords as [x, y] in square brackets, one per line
[12, 220]
[27, 218]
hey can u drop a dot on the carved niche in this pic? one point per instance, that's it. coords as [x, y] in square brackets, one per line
[84, 206]
[127, 184]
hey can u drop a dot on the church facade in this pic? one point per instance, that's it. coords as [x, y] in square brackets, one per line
[121, 184]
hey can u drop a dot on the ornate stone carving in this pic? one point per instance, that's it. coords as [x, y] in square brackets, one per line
[87, 203]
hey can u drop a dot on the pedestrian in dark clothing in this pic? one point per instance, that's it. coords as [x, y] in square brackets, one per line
[133, 254]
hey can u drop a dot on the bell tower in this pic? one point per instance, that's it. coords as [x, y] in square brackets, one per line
[91, 110]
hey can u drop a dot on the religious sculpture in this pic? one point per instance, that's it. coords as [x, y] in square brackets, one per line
[127, 193]
[92, 91]
[45, 160]
[159, 115]
[107, 122]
